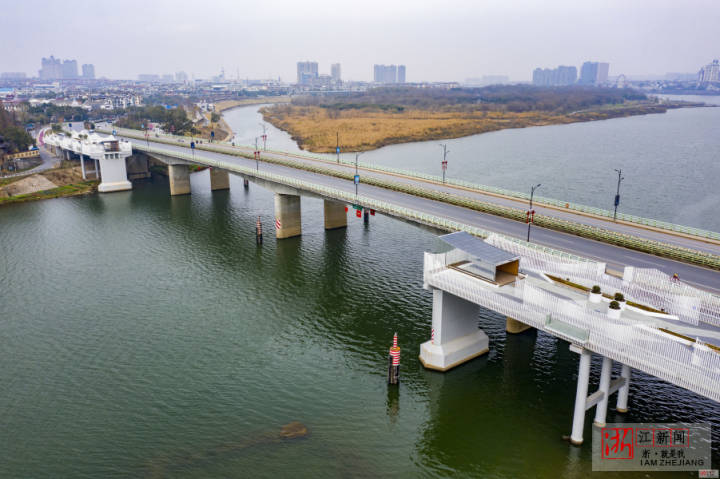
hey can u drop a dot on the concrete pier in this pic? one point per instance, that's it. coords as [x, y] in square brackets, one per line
[601, 409]
[179, 179]
[335, 215]
[287, 216]
[457, 338]
[624, 391]
[576, 437]
[513, 326]
[219, 179]
[82, 166]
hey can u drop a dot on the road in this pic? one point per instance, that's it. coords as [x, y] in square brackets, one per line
[615, 257]
[641, 231]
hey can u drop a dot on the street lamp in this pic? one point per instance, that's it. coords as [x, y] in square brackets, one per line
[356, 180]
[264, 137]
[617, 195]
[531, 212]
[444, 160]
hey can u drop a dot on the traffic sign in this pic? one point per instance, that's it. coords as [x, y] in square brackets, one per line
[357, 179]
[337, 150]
[192, 145]
[617, 200]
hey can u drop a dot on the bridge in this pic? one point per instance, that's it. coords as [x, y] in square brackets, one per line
[667, 328]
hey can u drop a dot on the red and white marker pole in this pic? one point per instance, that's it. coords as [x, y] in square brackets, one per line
[394, 362]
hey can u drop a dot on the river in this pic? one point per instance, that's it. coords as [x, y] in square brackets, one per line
[145, 335]
[670, 161]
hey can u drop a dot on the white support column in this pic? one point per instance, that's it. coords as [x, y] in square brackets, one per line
[97, 169]
[456, 337]
[601, 409]
[624, 391]
[576, 437]
[82, 166]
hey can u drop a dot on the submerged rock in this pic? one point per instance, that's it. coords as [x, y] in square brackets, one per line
[293, 430]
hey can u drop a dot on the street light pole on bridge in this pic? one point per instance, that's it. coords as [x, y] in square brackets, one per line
[617, 195]
[531, 212]
[444, 160]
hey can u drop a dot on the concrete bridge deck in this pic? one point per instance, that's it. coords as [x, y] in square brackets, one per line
[616, 257]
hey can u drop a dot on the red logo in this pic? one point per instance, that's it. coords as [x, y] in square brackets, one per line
[617, 443]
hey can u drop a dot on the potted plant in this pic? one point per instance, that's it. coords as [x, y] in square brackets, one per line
[621, 300]
[595, 294]
[614, 310]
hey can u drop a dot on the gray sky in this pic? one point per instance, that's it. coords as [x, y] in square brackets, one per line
[437, 40]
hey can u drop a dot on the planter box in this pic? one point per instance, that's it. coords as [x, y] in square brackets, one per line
[614, 313]
[595, 297]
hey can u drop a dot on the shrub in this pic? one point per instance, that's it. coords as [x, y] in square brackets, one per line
[619, 297]
[595, 289]
[614, 305]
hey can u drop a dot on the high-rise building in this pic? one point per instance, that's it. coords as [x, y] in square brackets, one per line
[51, 69]
[88, 71]
[69, 69]
[710, 73]
[594, 73]
[335, 72]
[306, 72]
[385, 74]
[181, 77]
[148, 77]
[401, 74]
[562, 75]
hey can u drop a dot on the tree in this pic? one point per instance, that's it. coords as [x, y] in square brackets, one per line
[214, 117]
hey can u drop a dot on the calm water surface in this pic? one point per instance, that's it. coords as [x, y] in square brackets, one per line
[671, 161]
[148, 336]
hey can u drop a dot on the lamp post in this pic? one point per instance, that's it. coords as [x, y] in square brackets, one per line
[617, 195]
[264, 137]
[357, 176]
[531, 212]
[444, 160]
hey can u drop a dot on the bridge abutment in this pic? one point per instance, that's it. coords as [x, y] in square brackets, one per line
[456, 338]
[219, 179]
[335, 215]
[179, 176]
[287, 216]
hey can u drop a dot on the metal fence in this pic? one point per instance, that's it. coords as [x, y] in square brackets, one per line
[690, 365]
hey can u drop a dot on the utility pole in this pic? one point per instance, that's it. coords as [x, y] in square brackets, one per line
[617, 195]
[337, 146]
[257, 155]
[444, 160]
[531, 212]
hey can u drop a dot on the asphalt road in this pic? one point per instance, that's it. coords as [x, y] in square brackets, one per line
[616, 257]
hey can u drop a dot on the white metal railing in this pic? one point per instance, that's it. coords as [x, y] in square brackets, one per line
[649, 287]
[693, 366]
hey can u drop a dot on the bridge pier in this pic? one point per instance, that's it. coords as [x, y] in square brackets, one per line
[82, 166]
[624, 391]
[287, 216]
[601, 409]
[457, 338]
[179, 179]
[335, 215]
[576, 437]
[513, 326]
[219, 179]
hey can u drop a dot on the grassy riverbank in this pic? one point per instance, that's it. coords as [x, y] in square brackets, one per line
[388, 116]
[56, 183]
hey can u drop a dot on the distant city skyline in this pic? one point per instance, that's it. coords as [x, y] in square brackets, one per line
[437, 42]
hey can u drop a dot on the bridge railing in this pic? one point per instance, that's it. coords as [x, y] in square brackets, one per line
[690, 365]
[565, 205]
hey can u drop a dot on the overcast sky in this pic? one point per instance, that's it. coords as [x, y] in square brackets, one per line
[437, 40]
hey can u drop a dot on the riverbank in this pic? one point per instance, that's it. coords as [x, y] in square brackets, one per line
[55, 183]
[223, 105]
[316, 128]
